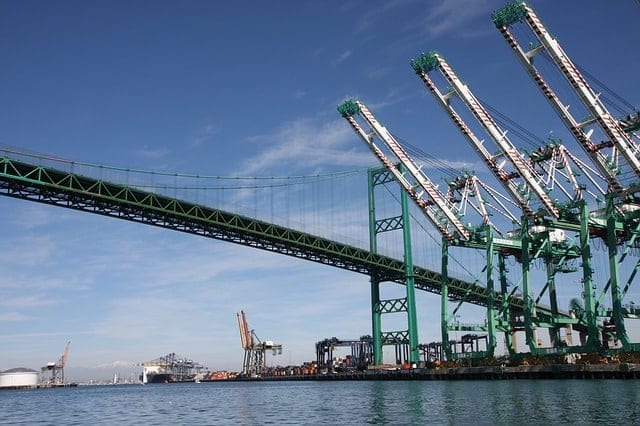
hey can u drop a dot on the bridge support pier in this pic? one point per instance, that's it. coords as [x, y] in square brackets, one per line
[408, 337]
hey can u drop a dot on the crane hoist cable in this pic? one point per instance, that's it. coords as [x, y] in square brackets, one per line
[437, 163]
[615, 100]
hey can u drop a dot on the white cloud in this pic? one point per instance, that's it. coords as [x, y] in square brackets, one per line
[13, 316]
[429, 20]
[203, 135]
[378, 72]
[34, 301]
[306, 144]
[152, 153]
[114, 364]
[33, 216]
[342, 57]
[299, 94]
[452, 16]
[31, 336]
[375, 13]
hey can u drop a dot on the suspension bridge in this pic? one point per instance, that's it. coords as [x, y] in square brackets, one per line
[24, 177]
[557, 209]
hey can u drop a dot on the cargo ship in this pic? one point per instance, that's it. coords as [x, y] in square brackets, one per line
[172, 368]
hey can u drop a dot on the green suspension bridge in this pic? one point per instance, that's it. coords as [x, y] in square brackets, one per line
[24, 177]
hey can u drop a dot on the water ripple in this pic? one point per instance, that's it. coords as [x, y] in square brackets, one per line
[520, 402]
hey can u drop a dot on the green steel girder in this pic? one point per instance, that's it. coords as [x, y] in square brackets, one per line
[64, 189]
[389, 224]
[393, 305]
[468, 327]
[395, 337]
[382, 177]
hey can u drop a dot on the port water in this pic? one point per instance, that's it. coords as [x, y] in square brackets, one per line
[357, 402]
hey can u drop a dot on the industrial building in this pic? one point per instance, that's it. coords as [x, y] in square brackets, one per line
[19, 378]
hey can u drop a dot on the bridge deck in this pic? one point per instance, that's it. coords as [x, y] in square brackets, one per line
[31, 182]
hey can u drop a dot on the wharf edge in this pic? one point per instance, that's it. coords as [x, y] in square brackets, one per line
[625, 371]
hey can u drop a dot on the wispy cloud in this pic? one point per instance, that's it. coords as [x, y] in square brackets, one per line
[33, 216]
[26, 302]
[30, 336]
[393, 96]
[343, 56]
[299, 94]
[203, 135]
[152, 153]
[13, 316]
[306, 144]
[115, 364]
[428, 20]
[31, 250]
[377, 72]
[375, 13]
[452, 16]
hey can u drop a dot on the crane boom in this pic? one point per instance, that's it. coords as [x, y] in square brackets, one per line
[245, 333]
[618, 141]
[435, 205]
[63, 359]
[530, 180]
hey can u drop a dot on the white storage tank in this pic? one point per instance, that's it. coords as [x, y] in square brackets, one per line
[19, 378]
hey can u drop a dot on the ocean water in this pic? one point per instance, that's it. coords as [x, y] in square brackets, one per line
[519, 402]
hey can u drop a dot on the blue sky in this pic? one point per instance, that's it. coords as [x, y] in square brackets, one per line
[233, 89]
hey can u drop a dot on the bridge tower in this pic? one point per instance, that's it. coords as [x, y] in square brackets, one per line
[405, 341]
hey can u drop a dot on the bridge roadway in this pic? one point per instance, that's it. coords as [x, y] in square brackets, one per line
[65, 189]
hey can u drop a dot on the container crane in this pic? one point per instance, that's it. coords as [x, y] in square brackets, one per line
[360, 358]
[616, 155]
[445, 213]
[540, 237]
[254, 363]
[57, 369]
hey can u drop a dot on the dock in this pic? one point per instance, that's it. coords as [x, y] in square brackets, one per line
[623, 371]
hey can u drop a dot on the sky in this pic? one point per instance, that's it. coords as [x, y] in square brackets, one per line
[243, 88]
